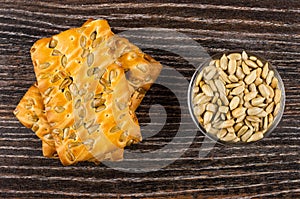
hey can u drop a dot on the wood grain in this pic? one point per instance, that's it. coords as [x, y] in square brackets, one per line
[268, 169]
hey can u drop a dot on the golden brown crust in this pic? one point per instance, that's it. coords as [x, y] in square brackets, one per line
[89, 103]
[30, 112]
[90, 131]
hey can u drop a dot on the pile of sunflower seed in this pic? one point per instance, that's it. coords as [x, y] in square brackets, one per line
[236, 98]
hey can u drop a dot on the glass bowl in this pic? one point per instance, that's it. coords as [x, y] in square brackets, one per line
[214, 137]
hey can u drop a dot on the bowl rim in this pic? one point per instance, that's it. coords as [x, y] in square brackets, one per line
[214, 138]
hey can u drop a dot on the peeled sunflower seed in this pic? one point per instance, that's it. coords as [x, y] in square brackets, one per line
[211, 71]
[228, 123]
[253, 118]
[271, 91]
[269, 109]
[223, 76]
[238, 126]
[247, 104]
[233, 85]
[199, 78]
[276, 109]
[251, 63]
[237, 90]
[264, 91]
[257, 101]
[254, 110]
[258, 81]
[215, 98]
[277, 96]
[265, 71]
[255, 137]
[238, 112]
[207, 117]
[244, 55]
[234, 103]
[247, 135]
[239, 73]
[223, 109]
[241, 118]
[270, 119]
[220, 86]
[199, 110]
[212, 85]
[265, 123]
[251, 77]
[231, 66]
[229, 137]
[258, 72]
[207, 90]
[224, 99]
[217, 63]
[242, 131]
[259, 63]
[245, 68]
[201, 99]
[253, 58]
[211, 107]
[221, 133]
[235, 56]
[262, 114]
[274, 83]
[228, 115]
[224, 62]
[233, 78]
[269, 77]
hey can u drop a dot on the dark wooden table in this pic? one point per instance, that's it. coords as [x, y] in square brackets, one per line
[268, 169]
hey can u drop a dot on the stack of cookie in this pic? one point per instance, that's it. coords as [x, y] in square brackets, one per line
[89, 84]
